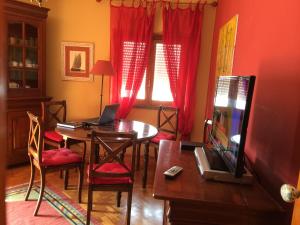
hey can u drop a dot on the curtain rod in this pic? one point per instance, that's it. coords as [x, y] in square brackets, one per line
[214, 3]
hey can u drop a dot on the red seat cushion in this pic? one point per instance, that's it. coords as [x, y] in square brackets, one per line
[61, 156]
[109, 168]
[162, 136]
[54, 136]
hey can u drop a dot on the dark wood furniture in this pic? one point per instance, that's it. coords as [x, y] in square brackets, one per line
[25, 74]
[54, 112]
[167, 126]
[50, 160]
[189, 199]
[144, 133]
[111, 173]
[3, 138]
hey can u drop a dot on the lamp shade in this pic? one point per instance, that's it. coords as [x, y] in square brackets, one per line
[102, 67]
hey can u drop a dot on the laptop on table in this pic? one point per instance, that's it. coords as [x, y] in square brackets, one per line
[106, 118]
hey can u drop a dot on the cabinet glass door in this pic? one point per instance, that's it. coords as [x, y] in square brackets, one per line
[31, 79]
[15, 54]
[23, 64]
[31, 53]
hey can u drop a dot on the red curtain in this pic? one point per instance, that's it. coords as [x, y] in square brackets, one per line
[131, 34]
[181, 39]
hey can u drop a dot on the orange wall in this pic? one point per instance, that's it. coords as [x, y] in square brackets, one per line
[88, 21]
[79, 21]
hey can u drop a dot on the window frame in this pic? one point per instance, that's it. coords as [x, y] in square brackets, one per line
[148, 102]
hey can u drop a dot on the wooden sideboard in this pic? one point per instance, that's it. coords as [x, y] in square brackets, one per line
[189, 199]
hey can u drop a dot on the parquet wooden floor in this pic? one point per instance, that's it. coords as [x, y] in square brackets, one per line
[145, 209]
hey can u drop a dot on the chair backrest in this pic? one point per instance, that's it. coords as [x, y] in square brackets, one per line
[113, 144]
[53, 112]
[35, 138]
[167, 120]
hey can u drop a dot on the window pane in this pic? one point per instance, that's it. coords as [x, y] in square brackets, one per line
[141, 94]
[161, 84]
[132, 51]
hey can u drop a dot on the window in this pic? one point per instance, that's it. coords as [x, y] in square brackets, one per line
[161, 85]
[130, 50]
[155, 87]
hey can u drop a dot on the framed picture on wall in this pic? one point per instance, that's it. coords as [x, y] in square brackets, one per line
[226, 47]
[77, 60]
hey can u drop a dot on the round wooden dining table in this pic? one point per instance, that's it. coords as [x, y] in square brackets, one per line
[145, 132]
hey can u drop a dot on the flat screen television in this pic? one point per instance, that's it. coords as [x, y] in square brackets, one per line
[232, 104]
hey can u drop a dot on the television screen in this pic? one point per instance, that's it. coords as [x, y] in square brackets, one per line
[230, 119]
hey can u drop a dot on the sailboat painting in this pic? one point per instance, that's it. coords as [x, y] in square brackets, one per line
[77, 61]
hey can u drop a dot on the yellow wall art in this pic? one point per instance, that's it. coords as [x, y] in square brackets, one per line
[226, 46]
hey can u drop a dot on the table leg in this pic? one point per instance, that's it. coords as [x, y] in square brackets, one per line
[146, 157]
[138, 156]
[165, 215]
[97, 152]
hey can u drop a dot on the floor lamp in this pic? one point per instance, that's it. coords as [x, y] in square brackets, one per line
[102, 68]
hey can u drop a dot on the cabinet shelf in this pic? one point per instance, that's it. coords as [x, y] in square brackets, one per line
[22, 46]
[21, 68]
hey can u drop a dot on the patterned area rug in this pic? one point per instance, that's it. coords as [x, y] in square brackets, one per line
[56, 208]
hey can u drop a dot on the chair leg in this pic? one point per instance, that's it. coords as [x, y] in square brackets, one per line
[66, 179]
[129, 200]
[138, 156]
[119, 195]
[84, 150]
[89, 205]
[32, 174]
[42, 174]
[80, 182]
[61, 145]
[146, 158]
[92, 197]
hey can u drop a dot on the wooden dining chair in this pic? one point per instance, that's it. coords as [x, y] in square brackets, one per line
[167, 126]
[110, 172]
[54, 112]
[49, 160]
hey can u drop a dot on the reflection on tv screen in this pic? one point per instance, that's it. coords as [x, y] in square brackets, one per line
[231, 98]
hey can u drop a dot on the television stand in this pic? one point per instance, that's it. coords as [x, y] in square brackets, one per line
[192, 200]
[213, 167]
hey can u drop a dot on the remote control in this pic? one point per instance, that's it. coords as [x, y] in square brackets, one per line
[173, 171]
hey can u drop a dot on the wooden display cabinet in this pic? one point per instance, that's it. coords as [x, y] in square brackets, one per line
[26, 45]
